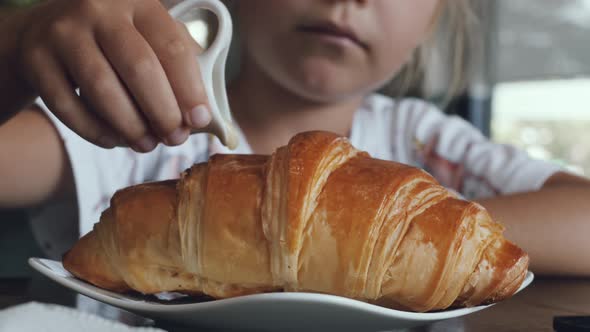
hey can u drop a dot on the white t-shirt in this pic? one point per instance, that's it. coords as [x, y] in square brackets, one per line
[409, 131]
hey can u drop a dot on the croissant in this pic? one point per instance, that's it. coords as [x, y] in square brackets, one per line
[316, 216]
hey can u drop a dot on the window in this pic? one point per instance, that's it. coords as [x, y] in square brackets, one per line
[549, 119]
[541, 66]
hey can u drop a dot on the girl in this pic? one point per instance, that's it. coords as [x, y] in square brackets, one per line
[305, 64]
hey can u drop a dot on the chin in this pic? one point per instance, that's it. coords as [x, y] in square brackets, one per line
[324, 81]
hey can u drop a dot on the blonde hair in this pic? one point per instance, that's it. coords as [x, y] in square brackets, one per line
[450, 39]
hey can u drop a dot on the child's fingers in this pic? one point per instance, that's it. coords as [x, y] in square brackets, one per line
[177, 53]
[140, 70]
[59, 95]
[104, 93]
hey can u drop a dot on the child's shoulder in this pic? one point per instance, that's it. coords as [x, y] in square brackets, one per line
[418, 118]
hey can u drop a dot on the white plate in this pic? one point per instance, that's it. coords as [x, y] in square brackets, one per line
[260, 312]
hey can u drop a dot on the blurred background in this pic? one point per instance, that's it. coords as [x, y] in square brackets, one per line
[528, 84]
[542, 79]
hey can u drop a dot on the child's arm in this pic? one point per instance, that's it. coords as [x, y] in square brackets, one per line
[34, 166]
[545, 210]
[552, 224]
[134, 64]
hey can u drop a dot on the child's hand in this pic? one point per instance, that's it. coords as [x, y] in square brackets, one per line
[136, 68]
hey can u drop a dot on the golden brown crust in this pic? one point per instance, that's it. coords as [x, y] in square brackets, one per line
[316, 216]
[86, 260]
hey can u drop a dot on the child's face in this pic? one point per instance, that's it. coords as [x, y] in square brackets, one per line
[329, 50]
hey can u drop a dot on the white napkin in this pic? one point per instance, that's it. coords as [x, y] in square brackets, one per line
[40, 317]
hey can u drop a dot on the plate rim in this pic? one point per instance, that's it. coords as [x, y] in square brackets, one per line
[122, 301]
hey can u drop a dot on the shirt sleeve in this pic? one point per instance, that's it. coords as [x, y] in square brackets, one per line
[98, 173]
[461, 158]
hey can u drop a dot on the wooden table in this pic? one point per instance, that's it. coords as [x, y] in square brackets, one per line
[531, 310]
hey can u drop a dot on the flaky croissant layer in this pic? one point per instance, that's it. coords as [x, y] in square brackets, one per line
[316, 216]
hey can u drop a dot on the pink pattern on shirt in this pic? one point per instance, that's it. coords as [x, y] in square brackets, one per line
[449, 174]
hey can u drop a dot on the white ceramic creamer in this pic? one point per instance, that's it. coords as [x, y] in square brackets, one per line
[212, 62]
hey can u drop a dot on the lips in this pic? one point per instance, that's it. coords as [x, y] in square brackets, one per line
[335, 30]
